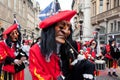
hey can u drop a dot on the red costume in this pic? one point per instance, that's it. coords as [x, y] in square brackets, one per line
[91, 52]
[40, 68]
[113, 62]
[7, 51]
[7, 56]
[45, 64]
[111, 57]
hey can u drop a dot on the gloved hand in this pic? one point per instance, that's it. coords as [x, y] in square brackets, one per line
[61, 77]
[79, 58]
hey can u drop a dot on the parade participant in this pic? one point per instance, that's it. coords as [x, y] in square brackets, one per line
[26, 46]
[86, 45]
[112, 54]
[75, 66]
[36, 41]
[43, 58]
[91, 51]
[49, 60]
[10, 55]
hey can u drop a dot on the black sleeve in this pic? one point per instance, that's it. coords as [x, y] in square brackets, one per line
[19, 68]
[114, 52]
[21, 54]
[67, 58]
[103, 50]
[8, 60]
[60, 78]
[65, 67]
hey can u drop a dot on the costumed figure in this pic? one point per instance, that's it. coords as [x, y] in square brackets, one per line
[91, 51]
[50, 59]
[75, 66]
[44, 59]
[12, 56]
[86, 45]
[111, 56]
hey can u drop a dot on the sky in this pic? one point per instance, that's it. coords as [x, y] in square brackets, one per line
[65, 4]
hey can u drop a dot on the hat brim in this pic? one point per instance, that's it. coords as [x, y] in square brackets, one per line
[10, 29]
[62, 15]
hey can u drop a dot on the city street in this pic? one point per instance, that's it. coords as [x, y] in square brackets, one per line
[103, 75]
[94, 24]
[27, 74]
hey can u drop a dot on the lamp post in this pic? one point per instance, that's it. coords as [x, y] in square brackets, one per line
[98, 40]
[32, 35]
[24, 34]
[81, 29]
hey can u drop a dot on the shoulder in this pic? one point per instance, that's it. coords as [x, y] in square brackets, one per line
[2, 43]
[35, 47]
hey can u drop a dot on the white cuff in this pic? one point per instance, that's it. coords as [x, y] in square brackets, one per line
[89, 76]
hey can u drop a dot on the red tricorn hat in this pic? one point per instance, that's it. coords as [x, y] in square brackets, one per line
[10, 29]
[62, 15]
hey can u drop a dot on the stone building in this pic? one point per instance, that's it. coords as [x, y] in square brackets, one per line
[105, 15]
[82, 19]
[102, 15]
[26, 12]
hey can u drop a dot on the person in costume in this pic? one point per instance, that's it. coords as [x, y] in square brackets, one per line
[91, 51]
[111, 56]
[75, 66]
[11, 56]
[50, 59]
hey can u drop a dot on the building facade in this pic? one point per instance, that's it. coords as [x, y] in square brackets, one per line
[82, 19]
[26, 12]
[106, 16]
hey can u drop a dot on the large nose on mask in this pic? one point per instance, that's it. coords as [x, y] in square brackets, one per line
[15, 36]
[66, 32]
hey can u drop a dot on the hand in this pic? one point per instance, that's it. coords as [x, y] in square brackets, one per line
[89, 55]
[113, 44]
[61, 77]
[18, 62]
[23, 59]
[81, 57]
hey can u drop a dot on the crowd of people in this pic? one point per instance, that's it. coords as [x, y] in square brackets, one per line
[54, 55]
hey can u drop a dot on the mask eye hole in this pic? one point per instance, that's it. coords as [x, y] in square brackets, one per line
[61, 27]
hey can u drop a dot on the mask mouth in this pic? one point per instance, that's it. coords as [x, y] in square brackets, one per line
[14, 39]
[60, 39]
[61, 36]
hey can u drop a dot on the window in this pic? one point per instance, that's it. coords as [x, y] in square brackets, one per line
[118, 25]
[9, 3]
[94, 8]
[108, 4]
[20, 7]
[15, 5]
[101, 6]
[111, 27]
[24, 10]
[102, 30]
[2, 1]
[116, 3]
[114, 25]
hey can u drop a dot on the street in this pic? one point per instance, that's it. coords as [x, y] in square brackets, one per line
[103, 75]
[27, 74]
